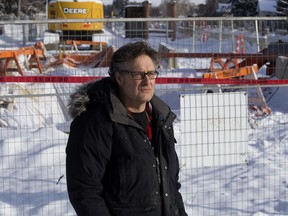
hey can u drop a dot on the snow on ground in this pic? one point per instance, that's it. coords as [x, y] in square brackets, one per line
[33, 141]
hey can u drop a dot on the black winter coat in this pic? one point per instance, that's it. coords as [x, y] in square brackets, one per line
[111, 167]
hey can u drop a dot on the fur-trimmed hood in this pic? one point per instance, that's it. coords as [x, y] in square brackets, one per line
[84, 95]
[78, 100]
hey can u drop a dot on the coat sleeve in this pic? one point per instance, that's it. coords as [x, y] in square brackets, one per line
[178, 196]
[87, 153]
[179, 200]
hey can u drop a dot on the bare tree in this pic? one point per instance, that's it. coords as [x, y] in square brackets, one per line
[185, 8]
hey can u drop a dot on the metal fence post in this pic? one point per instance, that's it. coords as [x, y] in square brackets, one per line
[257, 35]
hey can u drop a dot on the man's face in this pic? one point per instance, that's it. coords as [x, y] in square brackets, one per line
[136, 93]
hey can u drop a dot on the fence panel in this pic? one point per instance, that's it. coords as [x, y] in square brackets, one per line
[224, 78]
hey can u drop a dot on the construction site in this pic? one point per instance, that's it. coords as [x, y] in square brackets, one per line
[224, 77]
[237, 64]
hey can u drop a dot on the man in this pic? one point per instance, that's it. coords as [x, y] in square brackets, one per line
[121, 158]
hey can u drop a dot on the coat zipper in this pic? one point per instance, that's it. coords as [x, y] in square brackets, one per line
[158, 170]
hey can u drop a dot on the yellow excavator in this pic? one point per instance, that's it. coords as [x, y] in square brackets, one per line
[76, 9]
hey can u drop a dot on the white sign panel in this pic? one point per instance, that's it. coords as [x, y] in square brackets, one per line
[213, 129]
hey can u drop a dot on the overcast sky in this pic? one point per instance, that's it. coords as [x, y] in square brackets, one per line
[154, 3]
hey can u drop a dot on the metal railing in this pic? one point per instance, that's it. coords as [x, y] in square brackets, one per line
[243, 144]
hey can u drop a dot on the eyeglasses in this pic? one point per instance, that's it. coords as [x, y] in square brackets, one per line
[139, 75]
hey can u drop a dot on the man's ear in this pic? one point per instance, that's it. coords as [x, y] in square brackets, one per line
[119, 78]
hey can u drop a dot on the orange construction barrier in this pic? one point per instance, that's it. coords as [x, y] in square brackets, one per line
[94, 44]
[231, 62]
[231, 73]
[93, 59]
[35, 52]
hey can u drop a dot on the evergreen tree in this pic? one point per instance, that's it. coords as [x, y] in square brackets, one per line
[119, 6]
[282, 8]
[9, 7]
[244, 7]
[28, 7]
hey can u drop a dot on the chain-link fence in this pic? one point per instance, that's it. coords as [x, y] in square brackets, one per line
[225, 78]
